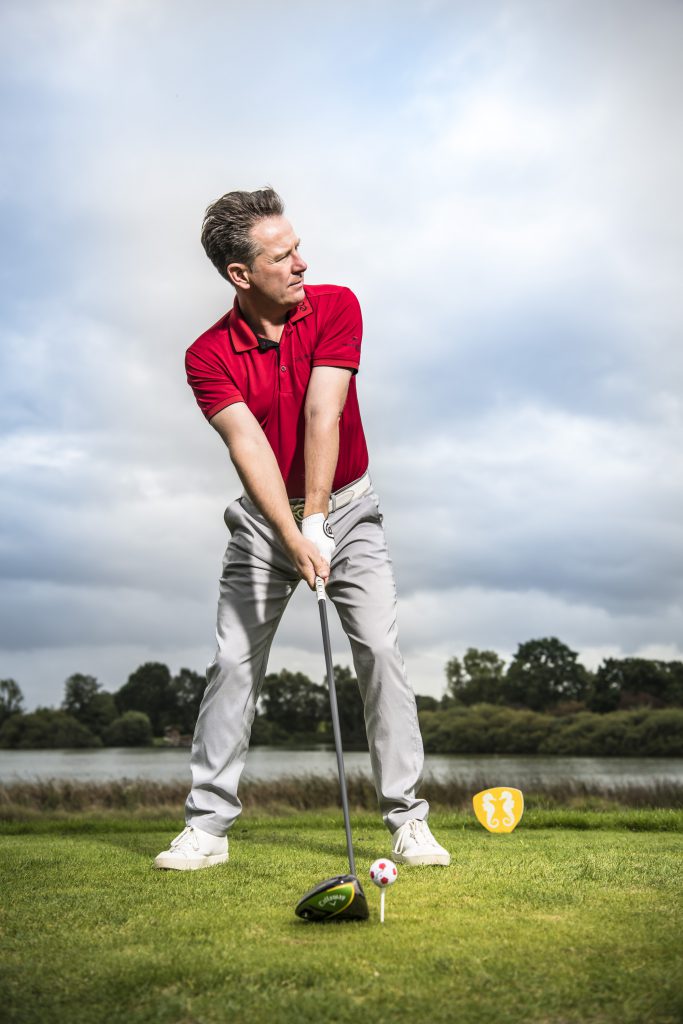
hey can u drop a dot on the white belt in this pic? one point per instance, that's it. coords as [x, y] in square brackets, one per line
[338, 499]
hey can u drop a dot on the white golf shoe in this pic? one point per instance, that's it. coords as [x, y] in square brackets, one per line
[415, 844]
[193, 849]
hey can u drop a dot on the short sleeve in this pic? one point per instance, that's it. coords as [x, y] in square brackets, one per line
[340, 334]
[210, 380]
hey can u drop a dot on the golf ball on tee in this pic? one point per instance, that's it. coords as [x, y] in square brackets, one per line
[383, 872]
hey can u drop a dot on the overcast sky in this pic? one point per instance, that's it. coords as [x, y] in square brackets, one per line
[500, 185]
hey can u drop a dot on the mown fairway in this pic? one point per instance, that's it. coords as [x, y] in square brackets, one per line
[551, 924]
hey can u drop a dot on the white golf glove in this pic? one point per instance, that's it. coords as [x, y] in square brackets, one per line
[317, 528]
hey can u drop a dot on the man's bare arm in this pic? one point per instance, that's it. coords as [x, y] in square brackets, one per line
[325, 398]
[258, 470]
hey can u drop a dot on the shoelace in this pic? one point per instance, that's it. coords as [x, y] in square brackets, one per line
[187, 837]
[418, 831]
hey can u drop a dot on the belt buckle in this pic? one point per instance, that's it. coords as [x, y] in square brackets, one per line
[298, 511]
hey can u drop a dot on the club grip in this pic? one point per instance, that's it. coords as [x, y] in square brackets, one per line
[320, 588]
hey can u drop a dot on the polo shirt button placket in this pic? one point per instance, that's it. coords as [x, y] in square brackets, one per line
[284, 353]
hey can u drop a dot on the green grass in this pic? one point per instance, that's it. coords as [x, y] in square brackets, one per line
[559, 922]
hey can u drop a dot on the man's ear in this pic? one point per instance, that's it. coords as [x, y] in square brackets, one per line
[238, 273]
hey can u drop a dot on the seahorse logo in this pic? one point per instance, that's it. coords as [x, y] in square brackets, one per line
[489, 805]
[499, 809]
[508, 803]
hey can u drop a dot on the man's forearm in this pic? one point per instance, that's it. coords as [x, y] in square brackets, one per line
[255, 462]
[258, 470]
[321, 452]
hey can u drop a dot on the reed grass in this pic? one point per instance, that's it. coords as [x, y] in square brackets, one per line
[315, 792]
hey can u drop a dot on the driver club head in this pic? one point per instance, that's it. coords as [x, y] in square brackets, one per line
[336, 899]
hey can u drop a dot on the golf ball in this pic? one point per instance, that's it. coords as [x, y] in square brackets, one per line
[383, 872]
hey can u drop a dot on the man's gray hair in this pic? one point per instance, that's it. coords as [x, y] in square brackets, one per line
[228, 222]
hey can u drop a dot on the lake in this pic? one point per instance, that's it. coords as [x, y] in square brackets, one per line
[166, 765]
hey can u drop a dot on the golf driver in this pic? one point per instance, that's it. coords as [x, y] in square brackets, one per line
[342, 897]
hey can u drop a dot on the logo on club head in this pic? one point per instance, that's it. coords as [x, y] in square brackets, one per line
[500, 809]
[332, 900]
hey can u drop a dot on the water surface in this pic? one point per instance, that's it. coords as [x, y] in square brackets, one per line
[167, 765]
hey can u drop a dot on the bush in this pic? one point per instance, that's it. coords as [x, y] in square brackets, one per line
[660, 733]
[46, 729]
[426, 703]
[132, 729]
[491, 729]
[267, 734]
[484, 729]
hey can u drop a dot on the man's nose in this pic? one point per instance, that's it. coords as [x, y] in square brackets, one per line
[299, 265]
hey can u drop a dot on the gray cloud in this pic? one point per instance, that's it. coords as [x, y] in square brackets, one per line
[500, 188]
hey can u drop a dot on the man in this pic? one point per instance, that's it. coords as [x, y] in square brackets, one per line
[275, 377]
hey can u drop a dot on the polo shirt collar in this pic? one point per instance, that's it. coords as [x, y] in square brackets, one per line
[300, 311]
[241, 334]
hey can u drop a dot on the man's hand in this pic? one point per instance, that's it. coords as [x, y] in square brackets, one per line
[317, 529]
[307, 559]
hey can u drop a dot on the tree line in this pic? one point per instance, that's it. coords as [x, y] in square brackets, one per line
[543, 684]
[545, 675]
[546, 702]
[153, 703]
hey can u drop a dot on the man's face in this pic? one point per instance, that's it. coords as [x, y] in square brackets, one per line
[277, 273]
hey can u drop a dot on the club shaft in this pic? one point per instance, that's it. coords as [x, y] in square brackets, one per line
[336, 731]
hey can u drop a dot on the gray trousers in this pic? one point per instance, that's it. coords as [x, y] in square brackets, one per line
[257, 582]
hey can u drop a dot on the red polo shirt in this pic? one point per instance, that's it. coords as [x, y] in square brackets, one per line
[225, 365]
